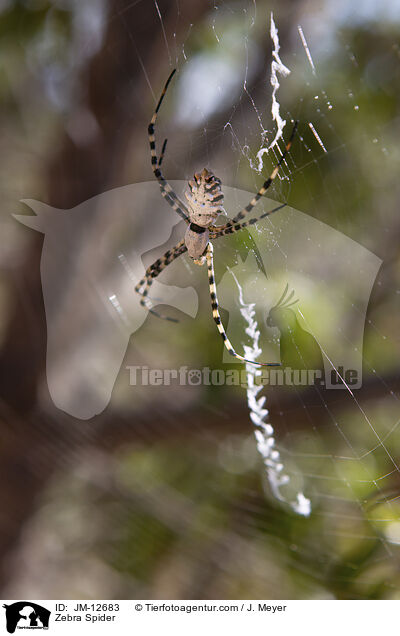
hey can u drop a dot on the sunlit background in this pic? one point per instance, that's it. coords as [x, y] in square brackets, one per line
[163, 493]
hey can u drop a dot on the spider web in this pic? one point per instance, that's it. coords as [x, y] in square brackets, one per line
[204, 523]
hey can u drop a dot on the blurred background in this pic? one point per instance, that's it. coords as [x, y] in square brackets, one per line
[162, 494]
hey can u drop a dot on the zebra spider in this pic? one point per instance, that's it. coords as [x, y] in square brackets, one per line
[204, 204]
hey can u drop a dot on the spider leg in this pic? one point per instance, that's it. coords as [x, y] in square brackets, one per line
[161, 157]
[166, 190]
[217, 317]
[222, 230]
[266, 183]
[143, 286]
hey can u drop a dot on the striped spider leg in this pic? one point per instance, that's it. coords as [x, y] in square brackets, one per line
[217, 317]
[223, 230]
[241, 215]
[204, 205]
[143, 286]
[166, 190]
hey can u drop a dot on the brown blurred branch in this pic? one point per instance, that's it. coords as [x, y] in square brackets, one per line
[34, 444]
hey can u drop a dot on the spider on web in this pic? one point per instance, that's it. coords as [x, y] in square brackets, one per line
[204, 204]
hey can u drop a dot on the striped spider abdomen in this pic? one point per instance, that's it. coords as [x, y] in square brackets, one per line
[205, 204]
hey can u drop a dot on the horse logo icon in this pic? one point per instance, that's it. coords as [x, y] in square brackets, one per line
[26, 615]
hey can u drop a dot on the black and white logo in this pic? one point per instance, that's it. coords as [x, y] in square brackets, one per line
[26, 615]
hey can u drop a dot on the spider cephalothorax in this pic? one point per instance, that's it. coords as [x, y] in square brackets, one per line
[204, 204]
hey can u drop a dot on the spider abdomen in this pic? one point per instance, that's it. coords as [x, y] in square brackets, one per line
[196, 240]
[205, 198]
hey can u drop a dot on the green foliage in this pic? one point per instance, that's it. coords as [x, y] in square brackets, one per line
[191, 517]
